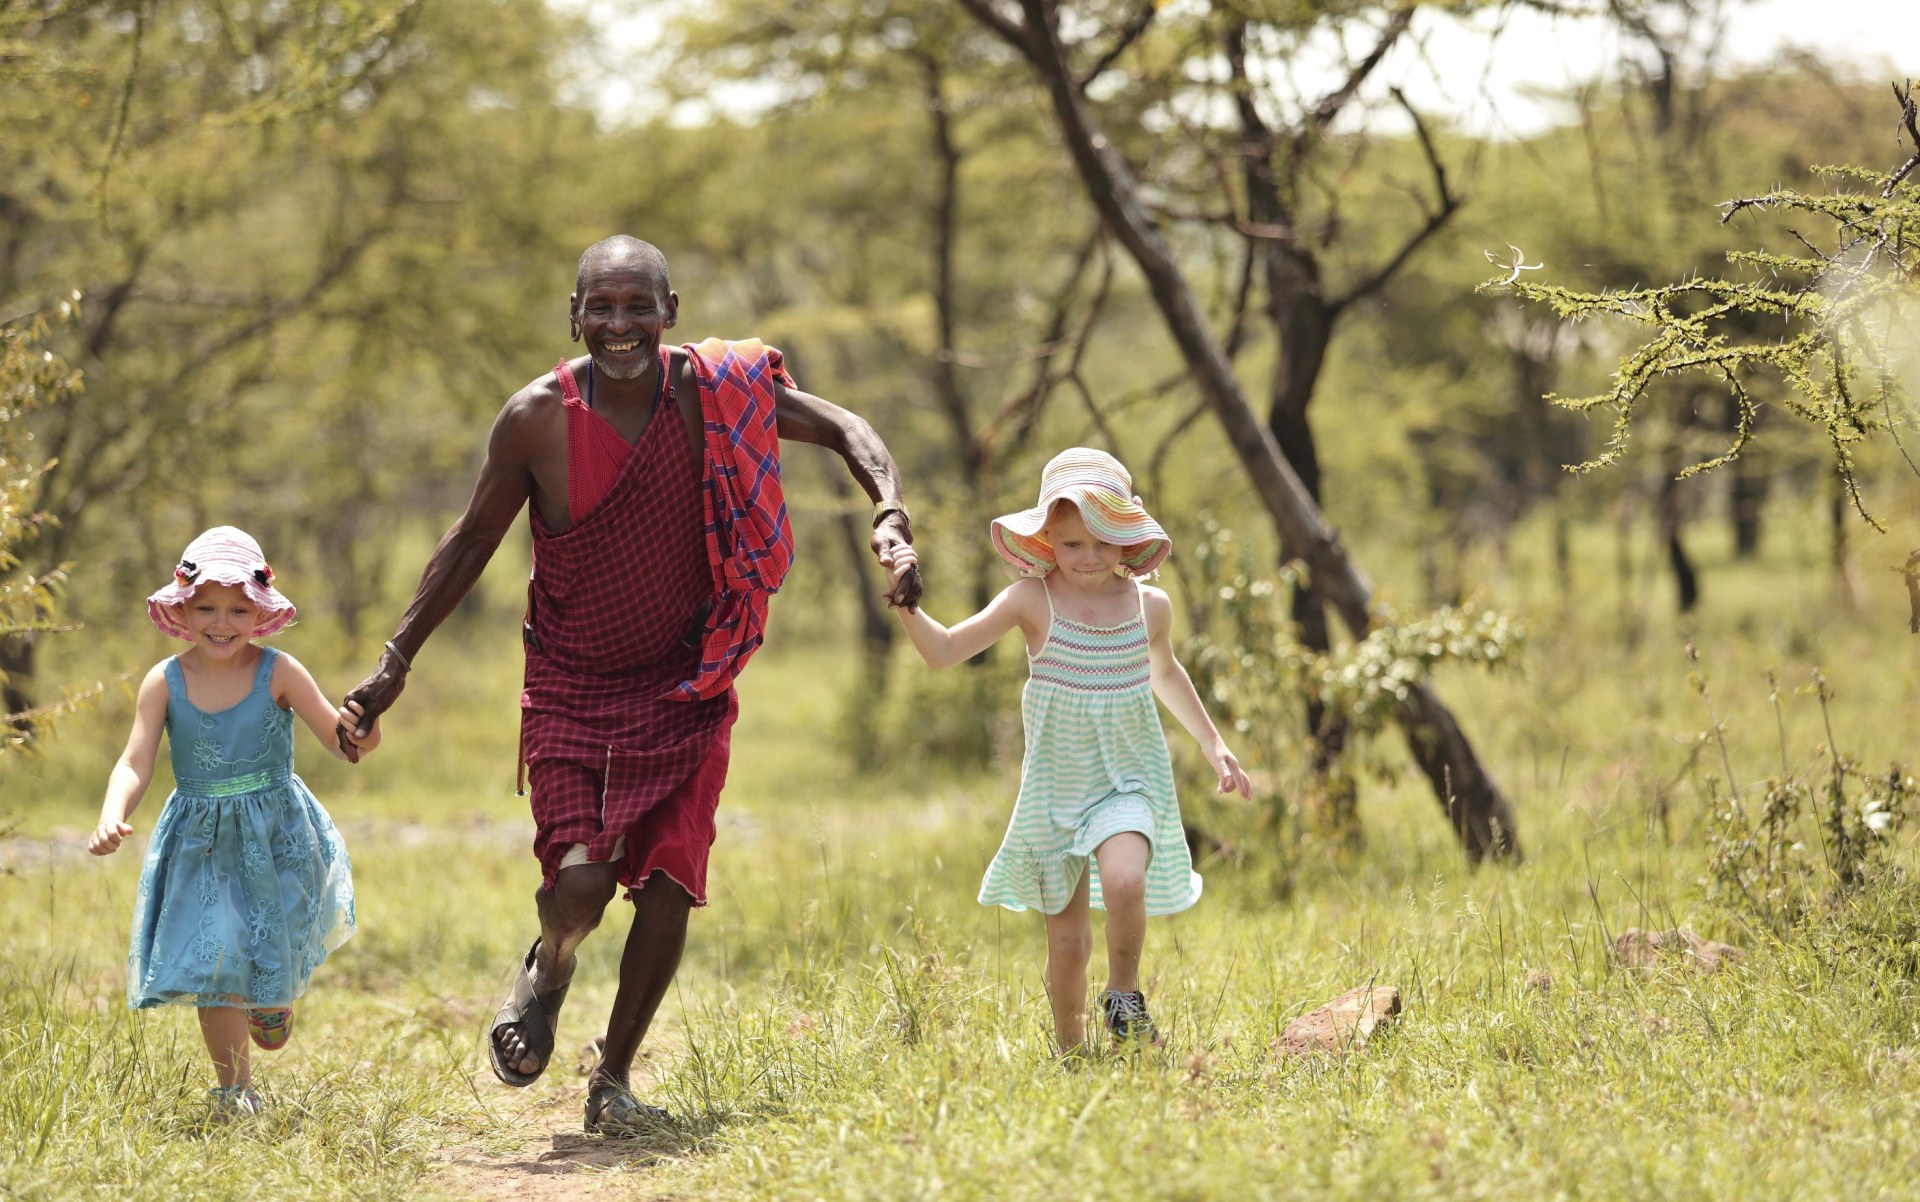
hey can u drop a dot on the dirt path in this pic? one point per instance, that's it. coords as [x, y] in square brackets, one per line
[537, 1151]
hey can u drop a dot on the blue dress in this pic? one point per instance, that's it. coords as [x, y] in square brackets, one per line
[246, 885]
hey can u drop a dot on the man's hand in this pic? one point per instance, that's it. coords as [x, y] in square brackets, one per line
[891, 534]
[363, 706]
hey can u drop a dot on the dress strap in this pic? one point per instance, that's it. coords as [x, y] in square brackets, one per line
[264, 673]
[176, 683]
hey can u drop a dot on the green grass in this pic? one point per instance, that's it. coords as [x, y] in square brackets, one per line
[849, 1024]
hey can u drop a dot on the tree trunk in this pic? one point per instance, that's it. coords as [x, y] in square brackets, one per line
[1474, 805]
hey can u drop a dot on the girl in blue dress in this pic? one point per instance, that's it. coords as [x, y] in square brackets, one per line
[246, 885]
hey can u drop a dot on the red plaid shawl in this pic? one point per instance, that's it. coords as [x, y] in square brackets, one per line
[749, 541]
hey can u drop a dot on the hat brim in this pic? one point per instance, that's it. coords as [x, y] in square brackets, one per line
[1020, 538]
[164, 607]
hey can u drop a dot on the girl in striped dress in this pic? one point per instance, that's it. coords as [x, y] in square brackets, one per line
[1097, 823]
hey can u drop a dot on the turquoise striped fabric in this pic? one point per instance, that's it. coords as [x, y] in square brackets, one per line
[1096, 765]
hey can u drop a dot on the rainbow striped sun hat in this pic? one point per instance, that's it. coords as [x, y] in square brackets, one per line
[222, 555]
[1102, 490]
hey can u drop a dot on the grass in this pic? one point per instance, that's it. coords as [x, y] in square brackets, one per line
[849, 1024]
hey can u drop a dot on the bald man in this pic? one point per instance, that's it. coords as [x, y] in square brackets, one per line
[659, 531]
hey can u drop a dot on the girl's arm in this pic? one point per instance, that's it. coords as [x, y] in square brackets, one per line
[1174, 688]
[134, 769]
[294, 688]
[943, 648]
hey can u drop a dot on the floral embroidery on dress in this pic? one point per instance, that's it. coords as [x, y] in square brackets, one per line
[209, 889]
[206, 753]
[264, 920]
[207, 949]
[254, 860]
[270, 984]
[276, 725]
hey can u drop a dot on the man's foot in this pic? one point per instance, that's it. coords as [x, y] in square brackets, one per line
[613, 1110]
[270, 1028]
[521, 1042]
[1127, 1018]
[232, 1102]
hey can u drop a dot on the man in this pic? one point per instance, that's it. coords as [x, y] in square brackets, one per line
[658, 533]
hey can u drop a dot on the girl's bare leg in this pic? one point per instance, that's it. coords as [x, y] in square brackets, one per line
[1123, 890]
[1069, 945]
[225, 1030]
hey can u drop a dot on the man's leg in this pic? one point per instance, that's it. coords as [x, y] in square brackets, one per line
[568, 913]
[647, 968]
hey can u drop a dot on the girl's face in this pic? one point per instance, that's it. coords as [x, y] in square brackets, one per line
[1084, 560]
[221, 618]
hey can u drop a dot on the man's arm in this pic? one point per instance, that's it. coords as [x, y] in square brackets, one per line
[502, 489]
[803, 417]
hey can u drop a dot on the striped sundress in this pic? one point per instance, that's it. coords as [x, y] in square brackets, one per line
[1096, 765]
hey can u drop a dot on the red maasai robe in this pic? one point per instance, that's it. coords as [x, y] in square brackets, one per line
[615, 613]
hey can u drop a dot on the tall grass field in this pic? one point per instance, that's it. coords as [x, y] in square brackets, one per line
[849, 1024]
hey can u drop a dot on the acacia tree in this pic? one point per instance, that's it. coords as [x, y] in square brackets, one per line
[1838, 316]
[1474, 804]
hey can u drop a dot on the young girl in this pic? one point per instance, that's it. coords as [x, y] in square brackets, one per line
[1096, 823]
[246, 885]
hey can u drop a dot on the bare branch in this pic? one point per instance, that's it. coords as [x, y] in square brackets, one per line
[1129, 33]
[1012, 32]
[1449, 203]
[1909, 116]
[1323, 113]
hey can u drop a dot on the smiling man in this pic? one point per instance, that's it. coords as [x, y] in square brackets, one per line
[659, 532]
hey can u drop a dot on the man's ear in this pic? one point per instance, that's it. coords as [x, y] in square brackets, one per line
[573, 316]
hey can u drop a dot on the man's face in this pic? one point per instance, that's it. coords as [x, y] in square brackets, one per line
[623, 310]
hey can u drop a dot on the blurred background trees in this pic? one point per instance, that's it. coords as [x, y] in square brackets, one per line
[319, 243]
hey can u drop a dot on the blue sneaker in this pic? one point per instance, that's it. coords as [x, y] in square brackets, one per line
[1127, 1018]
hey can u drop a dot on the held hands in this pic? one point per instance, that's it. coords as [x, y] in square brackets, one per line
[903, 565]
[106, 837]
[891, 541]
[1233, 778]
[359, 725]
[354, 744]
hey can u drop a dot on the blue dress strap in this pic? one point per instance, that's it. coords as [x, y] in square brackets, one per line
[264, 674]
[176, 683]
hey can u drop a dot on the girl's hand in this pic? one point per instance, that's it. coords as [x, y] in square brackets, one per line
[898, 559]
[352, 718]
[106, 837]
[1233, 778]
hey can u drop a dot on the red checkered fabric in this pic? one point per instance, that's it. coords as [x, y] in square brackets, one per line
[749, 542]
[614, 616]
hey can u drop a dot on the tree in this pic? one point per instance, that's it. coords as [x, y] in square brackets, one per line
[31, 377]
[291, 233]
[1838, 311]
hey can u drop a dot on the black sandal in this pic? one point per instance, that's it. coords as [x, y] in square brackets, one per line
[538, 1017]
[613, 1110]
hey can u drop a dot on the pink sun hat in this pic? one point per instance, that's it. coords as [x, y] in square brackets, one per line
[1102, 489]
[222, 555]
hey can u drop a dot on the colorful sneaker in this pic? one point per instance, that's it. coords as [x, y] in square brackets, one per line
[1128, 1019]
[234, 1101]
[271, 1028]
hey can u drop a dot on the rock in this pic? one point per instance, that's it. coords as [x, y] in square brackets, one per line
[1646, 951]
[1346, 1021]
